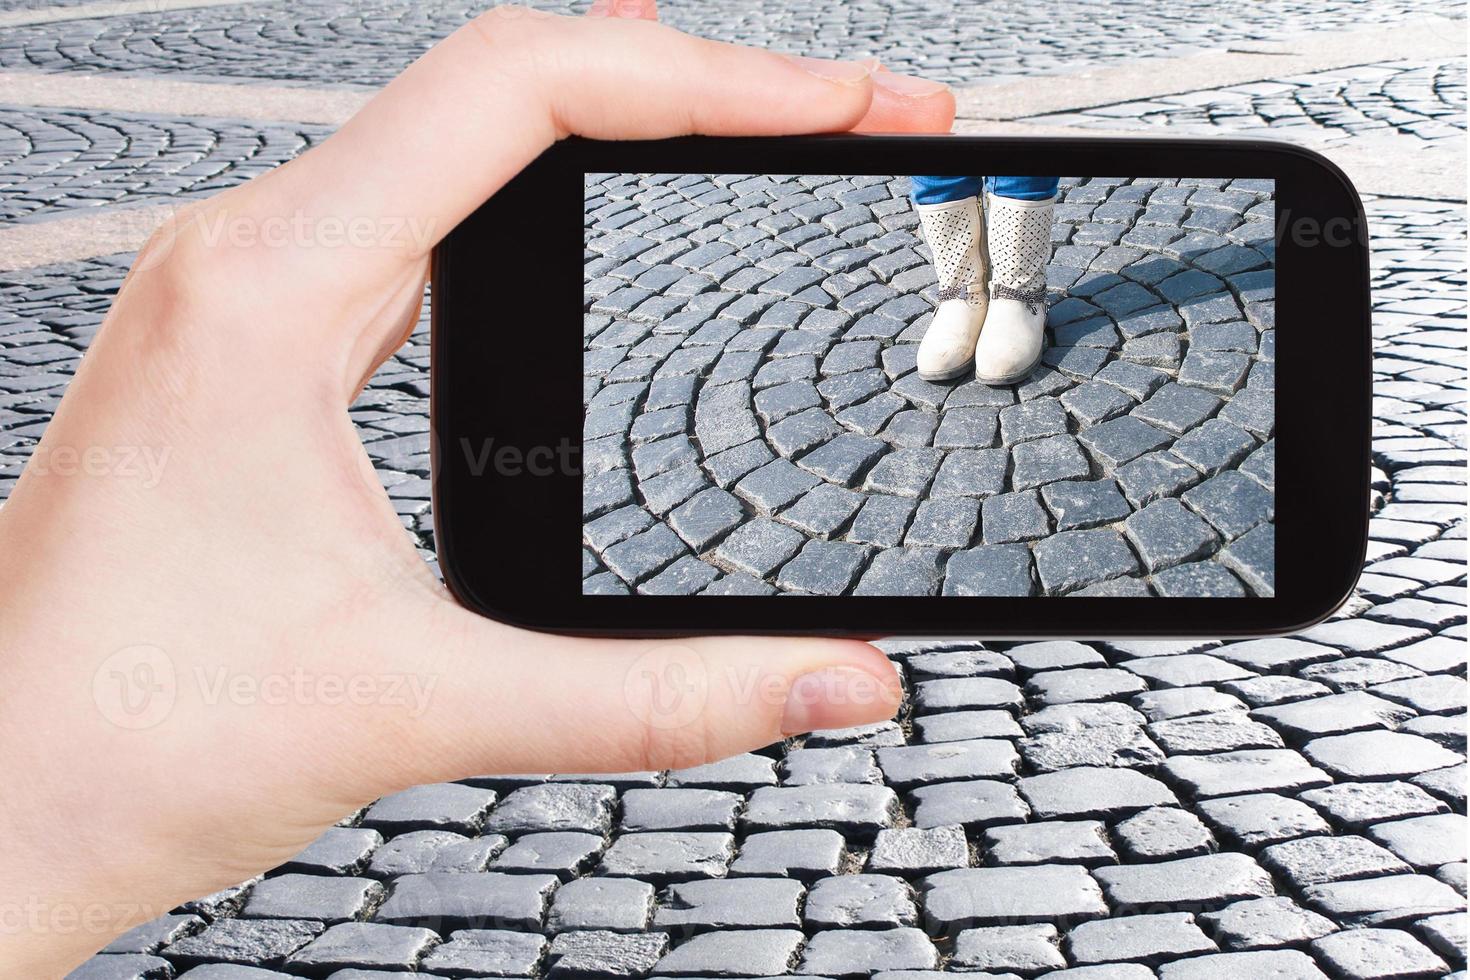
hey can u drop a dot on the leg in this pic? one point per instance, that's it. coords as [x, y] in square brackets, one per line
[1019, 214]
[949, 209]
[1022, 188]
[944, 190]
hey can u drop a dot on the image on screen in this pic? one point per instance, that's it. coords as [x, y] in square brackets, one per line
[928, 386]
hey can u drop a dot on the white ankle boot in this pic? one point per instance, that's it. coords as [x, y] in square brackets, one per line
[1014, 330]
[955, 233]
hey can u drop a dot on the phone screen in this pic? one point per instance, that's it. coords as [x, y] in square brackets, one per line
[915, 385]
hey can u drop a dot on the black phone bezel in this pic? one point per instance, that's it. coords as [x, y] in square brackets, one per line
[506, 372]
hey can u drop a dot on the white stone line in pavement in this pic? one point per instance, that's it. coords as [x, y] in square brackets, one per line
[102, 232]
[1386, 164]
[1148, 77]
[1425, 37]
[1380, 164]
[107, 8]
[167, 96]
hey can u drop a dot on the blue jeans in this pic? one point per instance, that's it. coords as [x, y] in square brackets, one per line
[942, 190]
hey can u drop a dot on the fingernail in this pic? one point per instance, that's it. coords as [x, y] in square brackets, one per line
[907, 86]
[836, 697]
[842, 72]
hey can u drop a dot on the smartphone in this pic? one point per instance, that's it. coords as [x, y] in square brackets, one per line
[874, 374]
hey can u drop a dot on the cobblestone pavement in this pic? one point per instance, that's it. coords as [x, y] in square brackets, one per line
[1288, 807]
[332, 42]
[1194, 809]
[1425, 99]
[750, 355]
[54, 160]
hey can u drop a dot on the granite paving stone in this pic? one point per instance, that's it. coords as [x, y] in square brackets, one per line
[1258, 819]
[970, 804]
[969, 897]
[247, 942]
[1378, 755]
[488, 952]
[1425, 842]
[1377, 953]
[1389, 900]
[1263, 923]
[444, 901]
[915, 765]
[1224, 732]
[860, 901]
[997, 950]
[664, 857]
[439, 806]
[1052, 841]
[1285, 964]
[547, 807]
[962, 693]
[1138, 938]
[1070, 560]
[1111, 745]
[736, 903]
[840, 764]
[301, 896]
[1314, 860]
[854, 810]
[363, 945]
[1248, 771]
[1092, 791]
[912, 851]
[735, 952]
[1337, 714]
[1202, 883]
[990, 570]
[564, 854]
[603, 904]
[805, 855]
[1164, 704]
[1055, 687]
[433, 850]
[1163, 832]
[841, 953]
[596, 954]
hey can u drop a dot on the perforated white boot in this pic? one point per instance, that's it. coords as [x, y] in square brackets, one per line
[956, 236]
[1015, 322]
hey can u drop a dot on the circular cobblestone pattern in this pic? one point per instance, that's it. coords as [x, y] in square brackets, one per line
[1416, 98]
[755, 423]
[53, 161]
[332, 42]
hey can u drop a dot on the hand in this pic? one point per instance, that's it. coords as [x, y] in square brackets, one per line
[201, 670]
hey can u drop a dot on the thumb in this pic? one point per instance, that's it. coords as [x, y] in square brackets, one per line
[513, 701]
